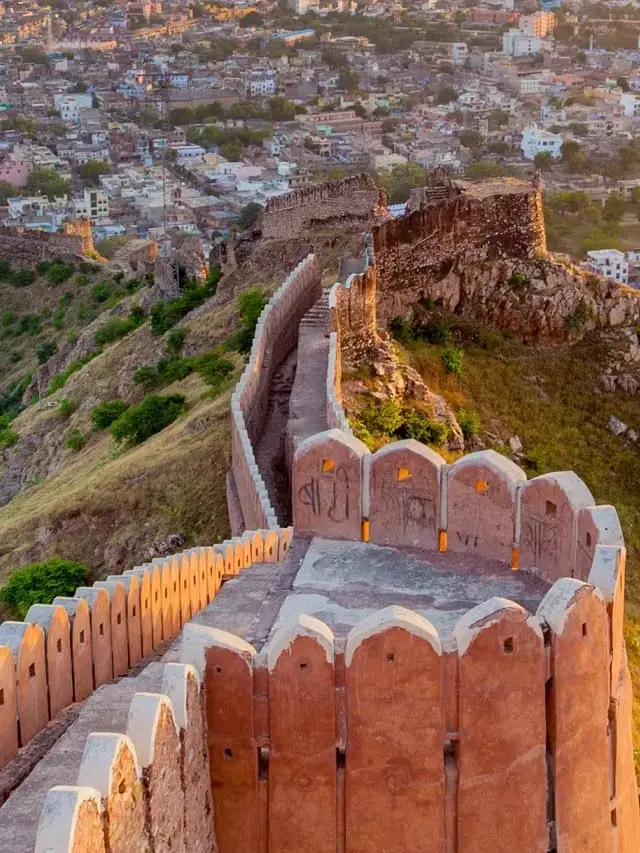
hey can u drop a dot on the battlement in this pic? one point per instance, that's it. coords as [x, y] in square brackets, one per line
[64, 651]
[351, 201]
[28, 246]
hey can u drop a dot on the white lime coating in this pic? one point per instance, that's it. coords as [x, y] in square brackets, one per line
[300, 625]
[59, 817]
[557, 603]
[575, 490]
[607, 522]
[479, 618]
[391, 617]
[71, 605]
[145, 712]
[604, 571]
[175, 682]
[12, 635]
[112, 587]
[350, 441]
[498, 464]
[92, 595]
[101, 751]
[44, 614]
[128, 581]
[196, 639]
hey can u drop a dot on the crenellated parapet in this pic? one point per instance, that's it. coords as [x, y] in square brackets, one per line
[64, 651]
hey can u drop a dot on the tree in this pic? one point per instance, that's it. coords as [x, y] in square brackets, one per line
[335, 59]
[181, 116]
[7, 191]
[622, 83]
[231, 150]
[613, 209]
[348, 80]
[543, 160]
[252, 19]
[471, 139]
[360, 110]
[399, 181]
[33, 54]
[446, 94]
[47, 182]
[92, 170]
[79, 89]
[249, 215]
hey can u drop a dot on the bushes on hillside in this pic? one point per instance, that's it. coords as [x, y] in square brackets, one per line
[46, 351]
[381, 420]
[57, 273]
[210, 366]
[76, 440]
[8, 436]
[118, 327]
[60, 379]
[164, 315]
[103, 415]
[249, 306]
[150, 416]
[40, 583]
[66, 408]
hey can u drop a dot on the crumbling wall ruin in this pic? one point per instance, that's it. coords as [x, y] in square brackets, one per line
[27, 247]
[354, 202]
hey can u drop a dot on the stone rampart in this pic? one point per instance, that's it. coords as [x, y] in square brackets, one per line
[353, 201]
[512, 713]
[64, 651]
[276, 335]
[27, 247]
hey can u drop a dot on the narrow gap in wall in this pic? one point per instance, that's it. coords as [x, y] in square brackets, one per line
[551, 794]
[263, 763]
[341, 757]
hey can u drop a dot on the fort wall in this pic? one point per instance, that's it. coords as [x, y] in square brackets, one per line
[349, 202]
[276, 335]
[64, 651]
[229, 745]
[27, 247]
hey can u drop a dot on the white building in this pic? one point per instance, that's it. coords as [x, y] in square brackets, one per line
[516, 43]
[265, 84]
[94, 205]
[538, 141]
[68, 106]
[609, 263]
[188, 153]
[459, 53]
[630, 104]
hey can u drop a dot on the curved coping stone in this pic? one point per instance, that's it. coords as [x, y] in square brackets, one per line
[555, 606]
[320, 438]
[605, 569]
[300, 625]
[99, 758]
[44, 614]
[607, 522]
[504, 468]
[474, 621]
[13, 633]
[175, 684]
[145, 712]
[60, 815]
[196, 639]
[410, 444]
[391, 617]
[575, 489]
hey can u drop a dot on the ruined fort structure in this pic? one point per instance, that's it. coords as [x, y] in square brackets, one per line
[354, 203]
[27, 247]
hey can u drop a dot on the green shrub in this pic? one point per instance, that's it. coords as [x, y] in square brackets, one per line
[66, 407]
[213, 369]
[8, 318]
[76, 440]
[147, 376]
[116, 328]
[11, 400]
[576, 321]
[28, 324]
[435, 331]
[57, 273]
[58, 319]
[452, 359]
[5, 270]
[103, 415]
[360, 431]
[164, 315]
[518, 281]
[401, 330]
[174, 340]
[149, 417]
[8, 437]
[40, 583]
[100, 292]
[22, 278]
[81, 280]
[416, 425]
[381, 418]
[173, 368]
[46, 351]
[87, 267]
[43, 267]
[249, 306]
[469, 423]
